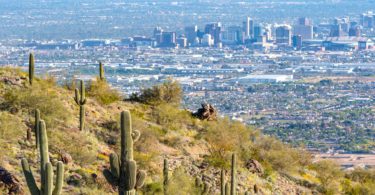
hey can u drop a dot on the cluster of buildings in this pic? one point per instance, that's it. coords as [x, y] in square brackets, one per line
[341, 34]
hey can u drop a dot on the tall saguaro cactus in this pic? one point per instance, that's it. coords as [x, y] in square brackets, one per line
[165, 176]
[123, 172]
[101, 71]
[233, 182]
[36, 127]
[46, 170]
[80, 99]
[31, 68]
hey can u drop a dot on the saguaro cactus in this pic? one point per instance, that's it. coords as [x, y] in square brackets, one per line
[222, 182]
[123, 172]
[101, 71]
[31, 68]
[165, 176]
[46, 170]
[80, 99]
[36, 127]
[233, 181]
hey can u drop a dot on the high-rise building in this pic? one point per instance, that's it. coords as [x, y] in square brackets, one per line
[258, 30]
[207, 40]
[191, 33]
[304, 28]
[233, 35]
[215, 30]
[336, 31]
[297, 41]
[304, 21]
[168, 39]
[158, 31]
[284, 35]
[248, 28]
[355, 31]
[367, 20]
[182, 42]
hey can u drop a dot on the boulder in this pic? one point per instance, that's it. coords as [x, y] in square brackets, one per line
[10, 182]
[254, 167]
[206, 112]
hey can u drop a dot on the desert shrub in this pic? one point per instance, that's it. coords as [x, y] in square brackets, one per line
[169, 92]
[81, 146]
[43, 96]
[102, 92]
[225, 137]
[279, 156]
[359, 181]
[181, 183]
[328, 173]
[11, 130]
[171, 117]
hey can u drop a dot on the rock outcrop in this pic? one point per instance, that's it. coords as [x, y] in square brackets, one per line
[207, 112]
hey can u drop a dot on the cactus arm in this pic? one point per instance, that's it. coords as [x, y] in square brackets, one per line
[101, 71]
[141, 175]
[33, 187]
[115, 165]
[48, 179]
[76, 97]
[31, 68]
[233, 175]
[36, 127]
[136, 135]
[43, 148]
[83, 95]
[165, 176]
[59, 179]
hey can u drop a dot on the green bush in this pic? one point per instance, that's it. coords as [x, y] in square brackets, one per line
[43, 95]
[329, 175]
[181, 183]
[225, 137]
[102, 92]
[168, 92]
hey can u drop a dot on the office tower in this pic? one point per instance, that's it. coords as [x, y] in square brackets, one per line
[168, 39]
[182, 42]
[191, 33]
[207, 40]
[367, 19]
[304, 21]
[297, 41]
[157, 35]
[336, 31]
[304, 28]
[355, 31]
[233, 35]
[248, 28]
[258, 30]
[215, 30]
[284, 35]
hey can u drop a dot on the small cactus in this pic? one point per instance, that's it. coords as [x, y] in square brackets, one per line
[31, 68]
[80, 99]
[204, 187]
[165, 176]
[46, 170]
[233, 176]
[123, 172]
[101, 71]
[36, 127]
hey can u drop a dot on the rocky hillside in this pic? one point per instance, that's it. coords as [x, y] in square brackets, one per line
[196, 150]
